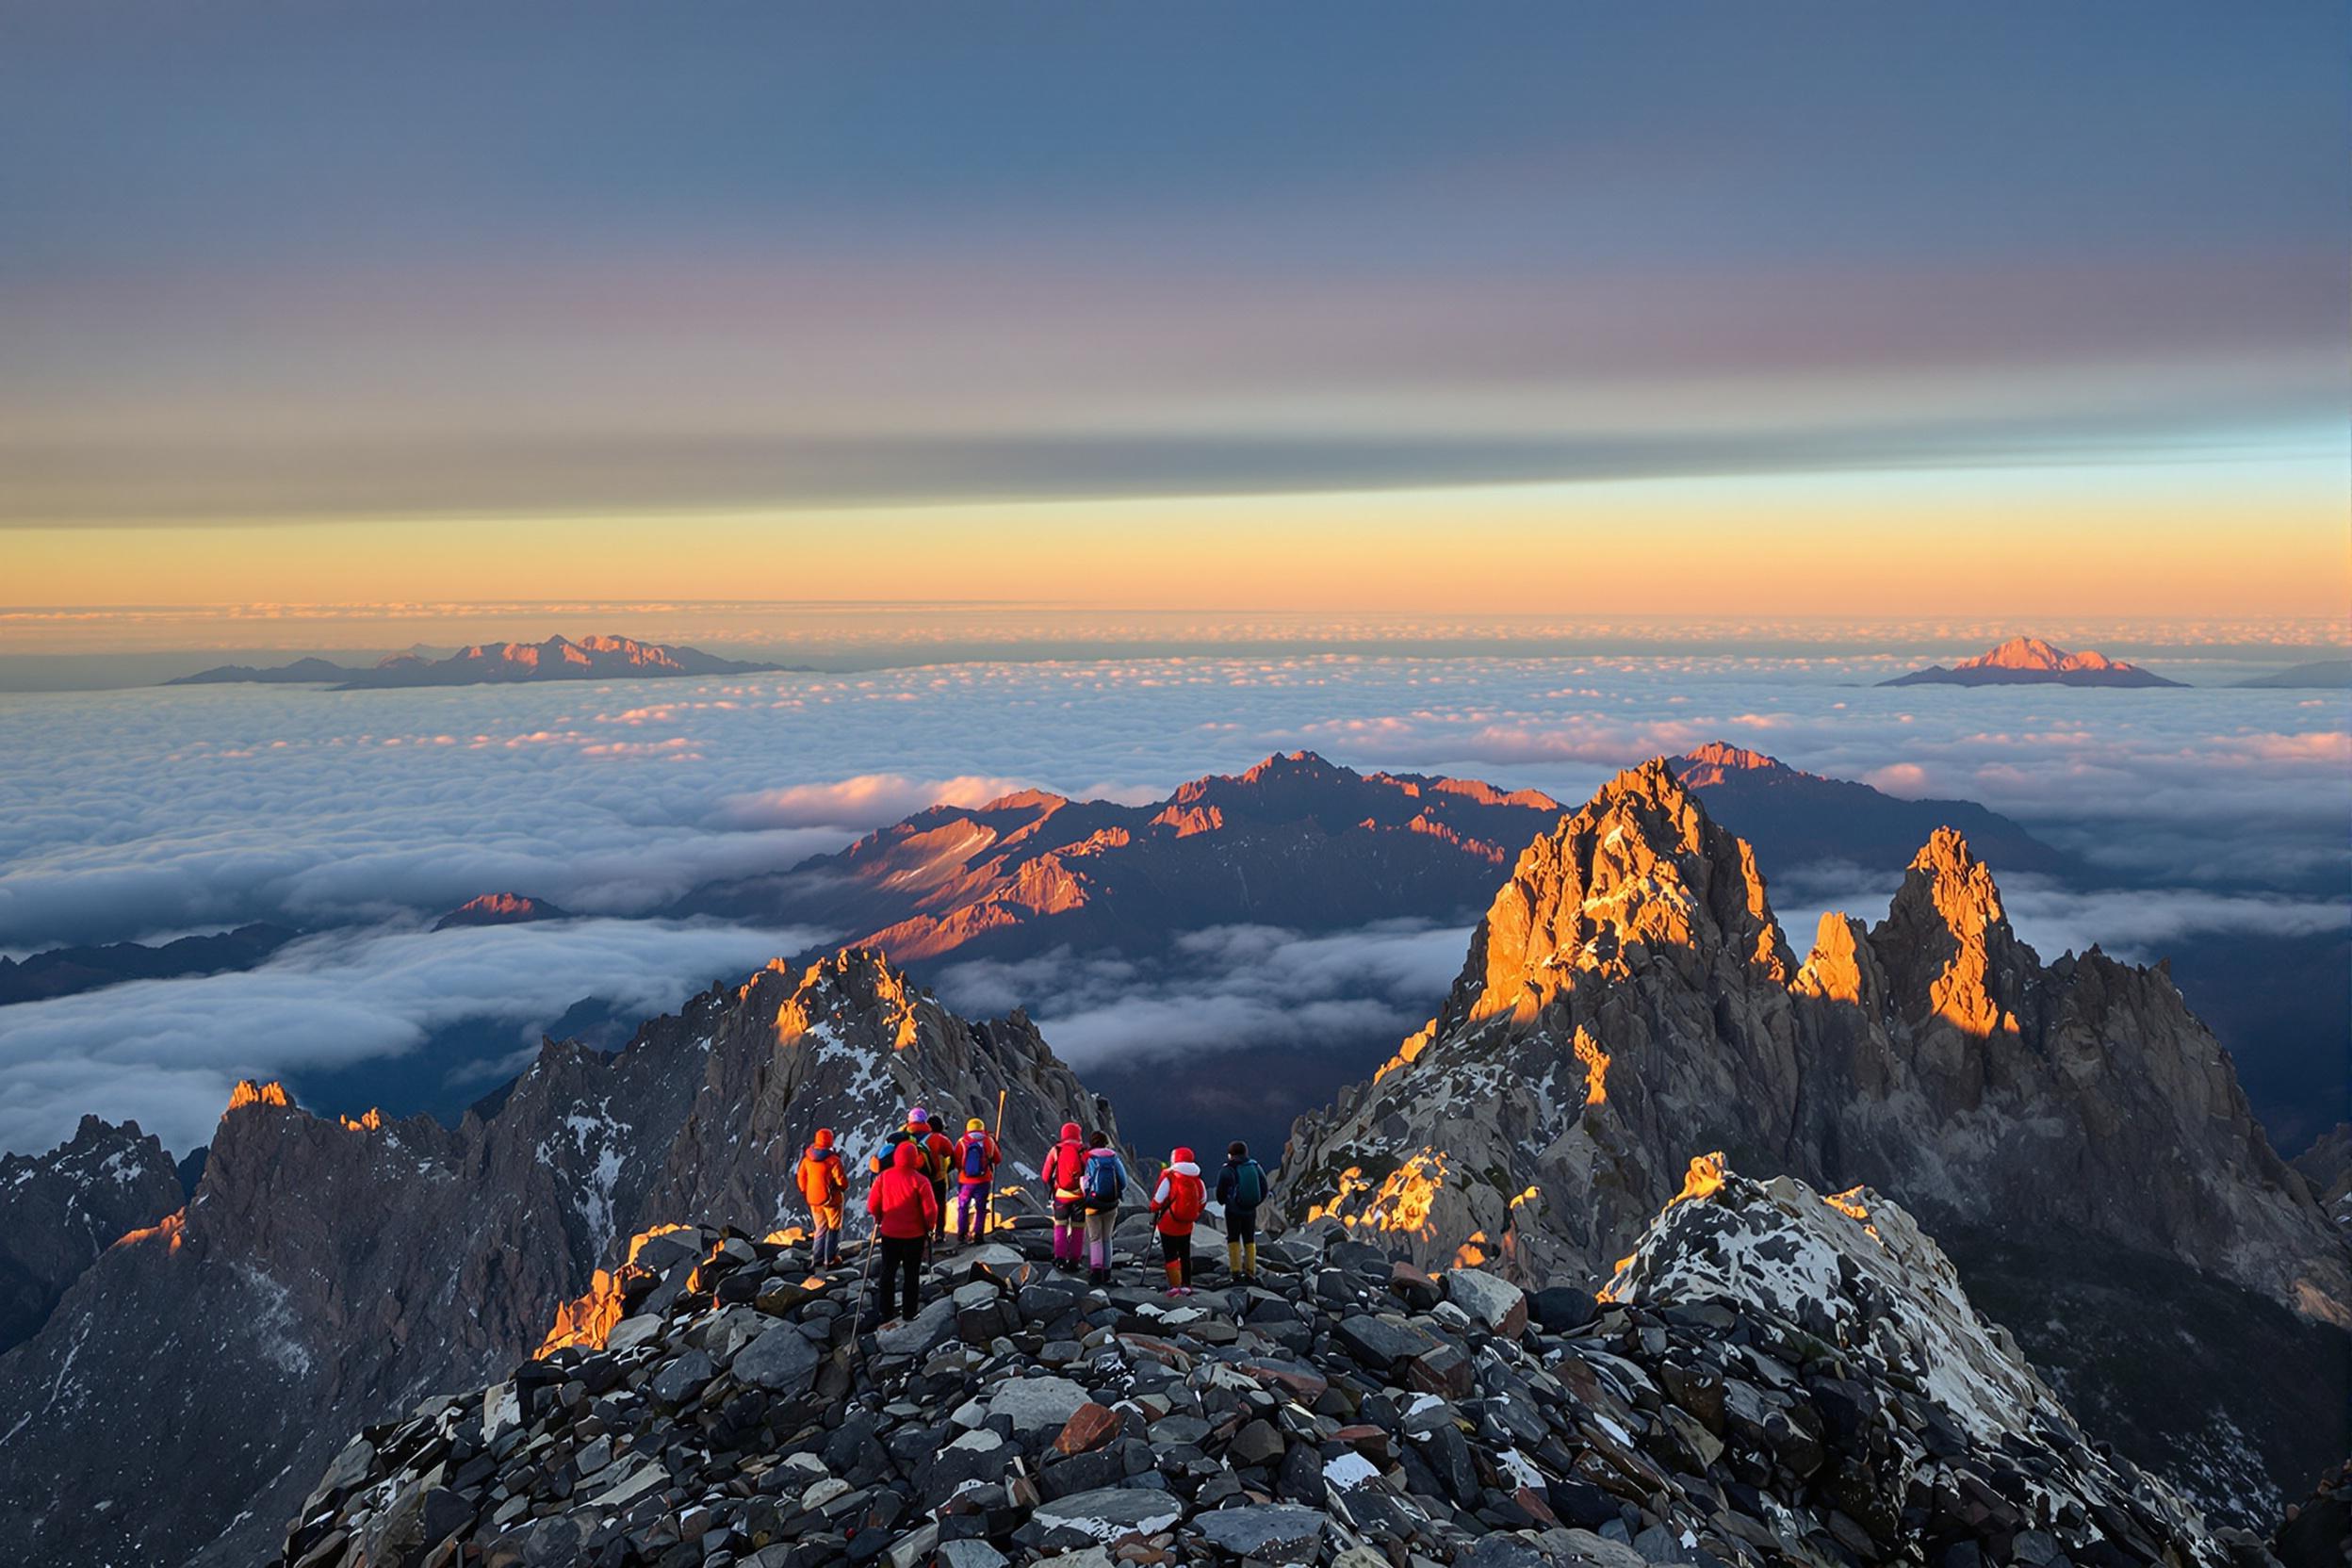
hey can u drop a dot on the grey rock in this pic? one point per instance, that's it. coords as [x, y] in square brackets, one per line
[1273, 1532]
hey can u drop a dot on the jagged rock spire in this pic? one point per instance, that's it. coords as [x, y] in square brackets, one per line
[1948, 947]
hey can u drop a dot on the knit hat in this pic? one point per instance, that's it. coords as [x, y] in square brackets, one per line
[918, 1114]
[824, 1137]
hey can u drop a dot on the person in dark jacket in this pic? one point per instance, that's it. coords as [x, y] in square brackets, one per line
[1241, 1186]
[904, 1210]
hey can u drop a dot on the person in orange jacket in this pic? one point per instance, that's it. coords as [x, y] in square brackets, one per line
[977, 1155]
[1176, 1202]
[904, 1208]
[824, 1184]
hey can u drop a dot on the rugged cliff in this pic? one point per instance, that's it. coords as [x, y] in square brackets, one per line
[330, 1272]
[1629, 1000]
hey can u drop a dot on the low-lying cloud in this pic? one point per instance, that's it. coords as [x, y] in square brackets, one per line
[1221, 991]
[168, 1051]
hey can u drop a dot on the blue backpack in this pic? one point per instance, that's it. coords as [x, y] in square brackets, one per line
[976, 1156]
[1104, 1180]
[1249, 1184]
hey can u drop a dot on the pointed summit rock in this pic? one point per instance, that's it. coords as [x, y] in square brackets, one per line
[1949, 955]
[330, 1272]
[1628, 1002]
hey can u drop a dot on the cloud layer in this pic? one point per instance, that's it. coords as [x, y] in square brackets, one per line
[166, 1052]
[134, 813]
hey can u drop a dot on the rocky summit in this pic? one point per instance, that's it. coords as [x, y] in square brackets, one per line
[174, 1404]
[1629, 1000]
[1774, 1377]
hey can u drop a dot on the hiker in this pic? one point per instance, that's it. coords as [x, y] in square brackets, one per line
[939, 1151]
[1065, 1164]
[824, 1183]
[976, 1169]
[1241, 1188]
[1176, 1202]
[904, 1209]
[1102, 1181]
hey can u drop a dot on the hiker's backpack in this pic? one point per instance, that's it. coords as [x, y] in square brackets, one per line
[1185, 1198]
[1249, 1184]
[1104, 1180]
[1067, 1164]
[976, 1164]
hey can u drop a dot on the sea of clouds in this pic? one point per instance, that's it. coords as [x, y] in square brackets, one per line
[140, 814]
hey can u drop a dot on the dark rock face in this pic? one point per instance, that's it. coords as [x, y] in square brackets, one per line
[1781, 1382]
[327, 1273]
[1294, 842]
[60, 1210]
[66, 970]
[1629, 1000]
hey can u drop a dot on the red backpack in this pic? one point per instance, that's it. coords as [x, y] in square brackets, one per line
[1186, 1197]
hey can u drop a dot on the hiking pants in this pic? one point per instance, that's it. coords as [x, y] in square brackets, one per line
[824, 1235]
[1070, 1223]
[902, 1260]
[1241, 1225]
[1176, 1250]
[971, 1208]
[1101, 1223]
[939, 1190]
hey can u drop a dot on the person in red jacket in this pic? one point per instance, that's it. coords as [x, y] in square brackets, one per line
[824, 1182]
[1065, 1164]
[904, 1208]
[1176, 1202]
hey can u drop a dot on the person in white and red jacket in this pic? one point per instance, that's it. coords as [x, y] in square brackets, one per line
[1176, 1203]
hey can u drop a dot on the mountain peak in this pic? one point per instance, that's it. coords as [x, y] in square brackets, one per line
[2033, 653]
[1710, 764]
[499, 908]
[1946, 942]
[248, 1092]
[1640, 866]
[2024, 661]
[1295, 764]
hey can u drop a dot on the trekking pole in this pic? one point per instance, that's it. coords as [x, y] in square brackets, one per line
[865, 1265]
[989, 1224]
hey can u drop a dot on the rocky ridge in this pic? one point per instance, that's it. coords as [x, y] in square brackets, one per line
[1294, 842]
[602, 657]
[1780, 1379]
[328, 1270]
[58, 1211]
[1629, 998]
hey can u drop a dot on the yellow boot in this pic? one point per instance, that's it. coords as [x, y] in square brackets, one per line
[1233, 1258]
[1250, 1259]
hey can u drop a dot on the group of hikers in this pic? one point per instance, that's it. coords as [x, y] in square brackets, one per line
[908, 1202]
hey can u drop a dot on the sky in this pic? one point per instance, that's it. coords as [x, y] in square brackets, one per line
[1938, 309]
